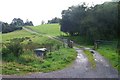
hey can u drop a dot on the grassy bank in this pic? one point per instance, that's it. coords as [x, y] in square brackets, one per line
[109, 52]
[57, 58]
[47, 29]
[29, 62]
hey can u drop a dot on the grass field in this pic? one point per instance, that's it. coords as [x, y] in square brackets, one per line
[48, 29]
[16, 34]
[28, 61]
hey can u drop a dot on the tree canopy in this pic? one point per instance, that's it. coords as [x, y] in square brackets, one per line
[54, 20]
[97, 22]
[16, 24]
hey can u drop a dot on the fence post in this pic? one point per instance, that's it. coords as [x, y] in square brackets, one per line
[95, 45]
[70, 43]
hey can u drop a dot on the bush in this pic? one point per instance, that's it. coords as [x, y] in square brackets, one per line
[5, 51]
[31, 45]
[9, 58]
[29, 59]
[13, 47]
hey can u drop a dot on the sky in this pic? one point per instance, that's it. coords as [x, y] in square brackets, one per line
[37, 10]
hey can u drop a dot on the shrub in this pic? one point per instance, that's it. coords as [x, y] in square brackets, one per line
[9, 58]
[29, 59]
[31, 45]
[5, 51]
[13, 47]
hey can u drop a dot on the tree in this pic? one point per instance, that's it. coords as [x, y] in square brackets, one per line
[42, 22]
[17, 22]
[54, 20]
[28, 23]
[95, 22]
[13, 47]
[1, 26]
[71, 19]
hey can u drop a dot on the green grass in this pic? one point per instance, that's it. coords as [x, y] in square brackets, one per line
[16, 34]
[22, 34]
[28, 62]
[90, 58]
[47, 29]
[109, 52]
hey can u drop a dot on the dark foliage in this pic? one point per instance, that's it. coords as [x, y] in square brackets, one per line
[94, 23]
[28, 23]
[16, 24]
[14, 47]
[8, 27]
[54, 20]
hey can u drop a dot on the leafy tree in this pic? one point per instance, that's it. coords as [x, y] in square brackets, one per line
[71, 19]
[95, 22]
[54, 20]
[28, 23]
[8, 27]
[17, 22]
[42, 22]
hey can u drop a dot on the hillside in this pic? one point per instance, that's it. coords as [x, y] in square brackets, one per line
[58, 60]
[47, 29]
[58, 56]
[108, 50]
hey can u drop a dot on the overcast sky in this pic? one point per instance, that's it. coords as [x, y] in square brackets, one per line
[37, 10]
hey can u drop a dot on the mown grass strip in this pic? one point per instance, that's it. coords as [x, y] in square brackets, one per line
[90, 58]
